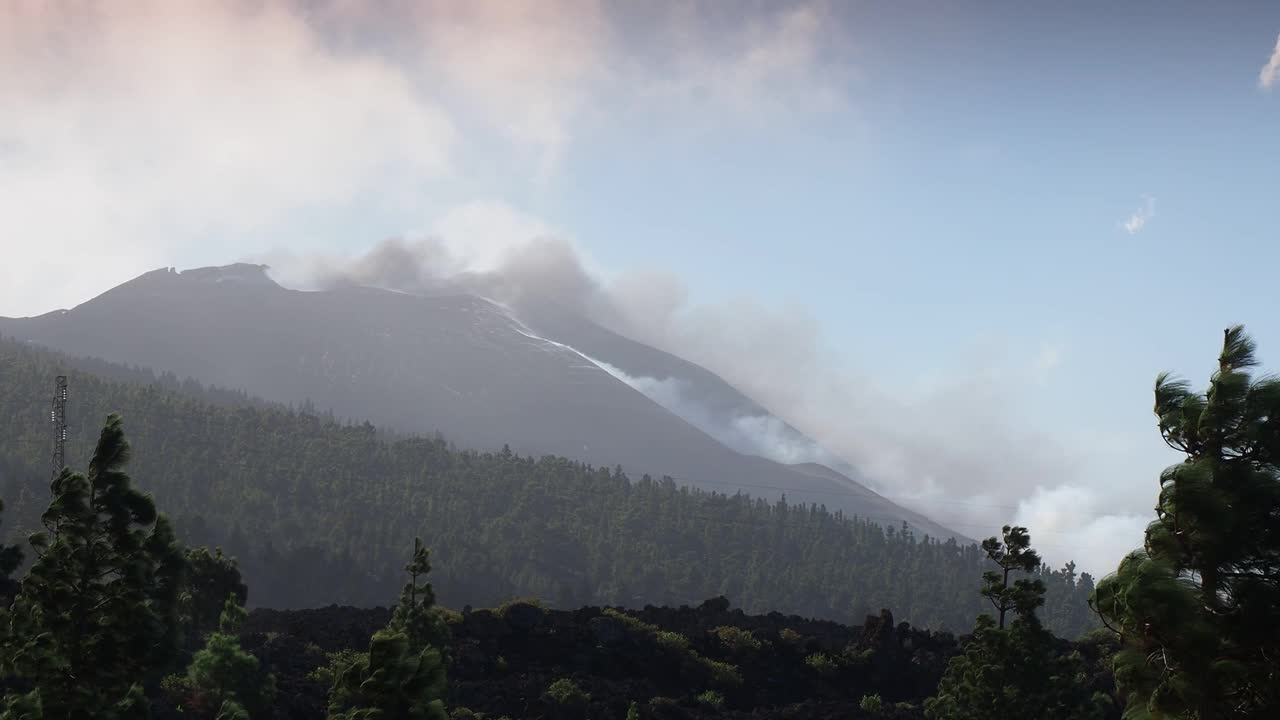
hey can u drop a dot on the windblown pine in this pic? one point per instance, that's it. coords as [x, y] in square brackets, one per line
[1198, 607]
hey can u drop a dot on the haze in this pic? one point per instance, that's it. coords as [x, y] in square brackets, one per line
[954, 244]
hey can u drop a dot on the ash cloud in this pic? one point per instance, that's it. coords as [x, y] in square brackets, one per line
[959, 448]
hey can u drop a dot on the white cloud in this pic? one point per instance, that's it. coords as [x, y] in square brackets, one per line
[1070, 522]
[785, 60]
[1270, 72]
[526, 66]
[135, 135]
[1138, 220]
[142, 132]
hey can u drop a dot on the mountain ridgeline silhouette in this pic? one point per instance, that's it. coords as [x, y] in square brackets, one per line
[547, 381]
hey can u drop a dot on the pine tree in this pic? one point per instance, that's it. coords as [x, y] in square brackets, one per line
[402, 677]
[1017, 673]
[1014, 553]
[416, 614]
[223, 679]
[1198, 607]
[392, 682]
[211, 578]
[97, 612]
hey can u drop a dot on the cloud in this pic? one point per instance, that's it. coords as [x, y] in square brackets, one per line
[765, 64]
[1270, 72]
[1073, 519]
[1138, 220]
[958, 444]
[134, 134]
[751, 434]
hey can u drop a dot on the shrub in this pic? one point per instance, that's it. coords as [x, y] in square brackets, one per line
[822, 663]
[723, 674]
[871, 703]
[736, 639]
[791, 637]
[505, 608]
[566, 692]
[632, 623]
[711, 698]
[660, 704]
[674, 641]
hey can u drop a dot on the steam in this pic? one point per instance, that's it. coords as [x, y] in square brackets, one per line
[763, 435]
[959, 447]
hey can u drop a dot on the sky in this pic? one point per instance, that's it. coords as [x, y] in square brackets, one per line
[955, 242]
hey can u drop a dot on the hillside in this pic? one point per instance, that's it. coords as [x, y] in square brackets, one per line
[318, 513]
[457, 364]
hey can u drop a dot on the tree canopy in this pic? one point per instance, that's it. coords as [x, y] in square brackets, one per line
[317, 510]
[1198, 606]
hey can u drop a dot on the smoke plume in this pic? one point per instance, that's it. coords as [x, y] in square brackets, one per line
[955, 447]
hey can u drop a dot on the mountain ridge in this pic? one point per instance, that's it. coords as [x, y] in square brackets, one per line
[457, 364]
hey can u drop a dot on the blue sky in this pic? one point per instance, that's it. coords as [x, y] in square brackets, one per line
[875, 217]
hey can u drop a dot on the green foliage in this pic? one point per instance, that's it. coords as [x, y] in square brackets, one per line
[871, 703]
[1198, 607]
[672, 641]
[633, 711]
[391, 682]
[1014, 673]
[335, 662]
[722, 674]
[736, 639]
[317, 512]
[1013, 553]
[711, 699]
[822, 663]
[566, 692]
[1017, 673]
[98, 610]
[402, 677]
[232, 710]
[26, 706]
[223, 678]
[505, 608]
[792, 638]
[211, 577]
[633, 623]
[415, 614]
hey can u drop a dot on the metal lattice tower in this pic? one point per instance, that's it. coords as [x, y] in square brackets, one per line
[58, 415]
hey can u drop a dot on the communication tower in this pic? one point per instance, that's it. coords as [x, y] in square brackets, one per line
[58, 415]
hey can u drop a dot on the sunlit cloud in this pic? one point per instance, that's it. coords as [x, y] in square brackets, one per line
[1270, 72]
[1138, 220]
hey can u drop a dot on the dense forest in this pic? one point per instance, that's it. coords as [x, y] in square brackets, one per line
[105, 614]
[317, 512]
[114, 619]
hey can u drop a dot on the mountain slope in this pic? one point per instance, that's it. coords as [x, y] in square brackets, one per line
[461, 365]
[319, 512]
